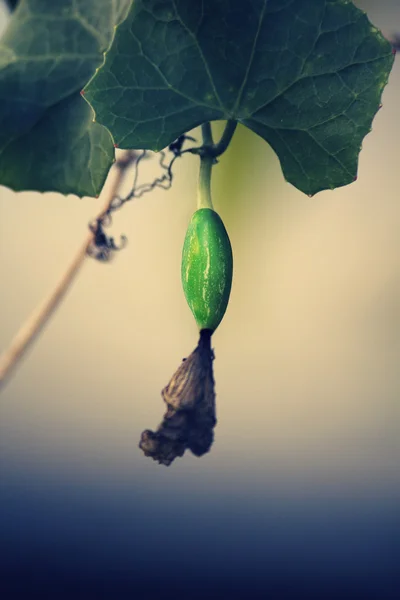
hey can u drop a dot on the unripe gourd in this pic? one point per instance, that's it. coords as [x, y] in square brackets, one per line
[207, 267]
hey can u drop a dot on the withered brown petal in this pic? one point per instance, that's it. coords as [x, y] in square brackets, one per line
[190, 417]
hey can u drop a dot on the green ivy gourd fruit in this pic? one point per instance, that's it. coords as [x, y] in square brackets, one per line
[207, 267]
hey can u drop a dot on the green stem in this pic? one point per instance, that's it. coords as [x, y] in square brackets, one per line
[204, 189]
[226, 138]
[206, 163]
[207, 134]
[208, 147]
[208, 154]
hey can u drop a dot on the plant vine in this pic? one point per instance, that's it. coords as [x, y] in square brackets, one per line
[102, 247]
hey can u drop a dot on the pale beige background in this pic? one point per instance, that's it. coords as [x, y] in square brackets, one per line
[308, 354]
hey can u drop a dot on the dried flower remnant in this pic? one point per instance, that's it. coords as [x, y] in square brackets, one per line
[190, 418]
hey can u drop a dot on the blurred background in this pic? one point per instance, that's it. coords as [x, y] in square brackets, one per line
[299, 496]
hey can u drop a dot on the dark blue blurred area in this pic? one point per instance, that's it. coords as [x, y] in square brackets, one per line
[61, 540]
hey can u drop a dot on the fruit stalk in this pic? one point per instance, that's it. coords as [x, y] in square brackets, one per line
[204, 199]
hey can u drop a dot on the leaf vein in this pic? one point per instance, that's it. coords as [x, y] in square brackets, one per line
[293, 83]
[251, 59]
[203, 58]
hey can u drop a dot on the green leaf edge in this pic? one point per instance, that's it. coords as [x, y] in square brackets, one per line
[390, 56]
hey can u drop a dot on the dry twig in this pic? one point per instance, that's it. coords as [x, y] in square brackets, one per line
[30, 330]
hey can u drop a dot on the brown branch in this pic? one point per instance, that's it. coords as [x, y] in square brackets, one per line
[30, 330]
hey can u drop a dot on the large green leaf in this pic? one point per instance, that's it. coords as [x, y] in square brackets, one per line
[306, 75]
[48, 140]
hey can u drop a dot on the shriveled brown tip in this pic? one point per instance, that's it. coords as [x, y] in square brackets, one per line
[161, 449]
[190, 417]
